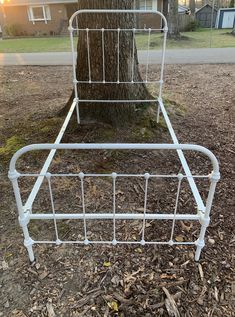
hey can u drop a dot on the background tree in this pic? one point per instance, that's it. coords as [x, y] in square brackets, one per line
[111, 113]
[192, 6]
[173, 20]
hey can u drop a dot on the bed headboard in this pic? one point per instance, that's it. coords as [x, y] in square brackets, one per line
[115, 63]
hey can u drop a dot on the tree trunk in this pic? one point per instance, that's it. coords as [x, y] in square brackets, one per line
[165, 8]
[173, 23]
[118, 113]
[233, 31]
[232, 3]
[192, 6]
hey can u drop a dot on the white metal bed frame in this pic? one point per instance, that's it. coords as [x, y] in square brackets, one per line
[203, 209]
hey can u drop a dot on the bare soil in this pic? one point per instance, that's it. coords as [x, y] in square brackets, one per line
[72, 280]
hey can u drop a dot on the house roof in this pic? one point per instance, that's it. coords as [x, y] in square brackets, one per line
[13, 3]
[206, 5]
[182, 9]
[227, 9]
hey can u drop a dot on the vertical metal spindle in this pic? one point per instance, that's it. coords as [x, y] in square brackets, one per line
[88, 54]
[133, 56]
[118, 56]
[77, 25]
[48, 176]
[114, 176]
[103, 55]
[81, 175]
[146, 176]
[74, 72]
[163, 60]
[147, 61]
[165, 29]
[180, 177]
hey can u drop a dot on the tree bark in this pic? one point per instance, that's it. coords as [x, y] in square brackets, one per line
[118, 113]
[173, 21]
[192, 6]
[232, 3]
[233, 31]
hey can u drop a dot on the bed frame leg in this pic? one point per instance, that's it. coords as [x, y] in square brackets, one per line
[200, 246]
[28, 242]
[29, 246]
[201, 239]
[205, 217]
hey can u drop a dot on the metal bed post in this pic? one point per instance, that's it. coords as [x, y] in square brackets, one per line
[76, 99]
[23, 214]
[205, 220]
[165, 30]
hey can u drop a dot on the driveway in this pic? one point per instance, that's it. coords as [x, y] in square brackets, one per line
[177, 56]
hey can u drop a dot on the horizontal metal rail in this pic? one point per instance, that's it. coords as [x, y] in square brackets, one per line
[118, 29]
[182, 158]
[170, 243]
[47, 163]
[118, 82]
[117, 101]
[110, 175]
[118, 216]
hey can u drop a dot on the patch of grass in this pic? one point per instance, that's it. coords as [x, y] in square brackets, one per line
[37, 131]
[108, 134]
[174, 107]
[194, 39]
[33, 45]
[12, 145]
[49, 125]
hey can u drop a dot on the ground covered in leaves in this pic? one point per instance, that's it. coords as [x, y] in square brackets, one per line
[122, 280]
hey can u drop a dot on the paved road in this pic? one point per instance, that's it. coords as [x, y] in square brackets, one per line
[178, 56]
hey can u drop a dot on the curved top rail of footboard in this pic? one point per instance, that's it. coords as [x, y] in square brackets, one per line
[114, 146]
[116, 11]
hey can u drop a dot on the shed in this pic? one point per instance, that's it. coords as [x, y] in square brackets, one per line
[204, 16]
[225, 18]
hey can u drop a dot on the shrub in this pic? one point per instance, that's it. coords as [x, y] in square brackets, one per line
[193, 26]
[13, 30]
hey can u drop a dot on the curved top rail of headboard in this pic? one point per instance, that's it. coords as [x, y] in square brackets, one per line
[118, 11]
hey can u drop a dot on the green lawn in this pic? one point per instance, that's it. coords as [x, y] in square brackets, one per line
[197, 39]
[31, 45]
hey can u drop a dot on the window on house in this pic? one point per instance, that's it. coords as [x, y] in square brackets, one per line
[39, 13]
[146, 4]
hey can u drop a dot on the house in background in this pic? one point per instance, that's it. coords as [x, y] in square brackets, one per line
[204, 16]
[50, 17]
[151, 20]
[37, 17]
[225, 18]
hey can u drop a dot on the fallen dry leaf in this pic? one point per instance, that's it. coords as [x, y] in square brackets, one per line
[50, 310]
[107, 264]
[171, 304]
[179, 238]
